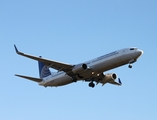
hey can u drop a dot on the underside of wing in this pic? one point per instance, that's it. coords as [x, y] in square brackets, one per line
[53, 64]
[114, 83]
[30, 78]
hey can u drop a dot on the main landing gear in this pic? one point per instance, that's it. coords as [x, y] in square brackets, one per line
[74, 79]
[91, 84]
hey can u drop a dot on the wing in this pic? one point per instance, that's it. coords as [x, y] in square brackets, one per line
[53, 64]
[115, 83]
[99, 79]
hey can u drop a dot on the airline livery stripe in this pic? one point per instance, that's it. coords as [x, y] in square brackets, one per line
[105, 56]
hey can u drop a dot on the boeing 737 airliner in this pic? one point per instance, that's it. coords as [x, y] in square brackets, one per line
[90, 71]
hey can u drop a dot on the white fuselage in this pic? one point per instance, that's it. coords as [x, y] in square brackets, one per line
[96, 66]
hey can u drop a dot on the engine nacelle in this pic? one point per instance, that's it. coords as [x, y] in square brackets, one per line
[109, 77]
[79, 68]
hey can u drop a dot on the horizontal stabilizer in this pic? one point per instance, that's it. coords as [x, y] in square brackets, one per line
[30, 78]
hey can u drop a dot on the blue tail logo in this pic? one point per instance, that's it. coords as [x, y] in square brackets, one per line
[43, 70]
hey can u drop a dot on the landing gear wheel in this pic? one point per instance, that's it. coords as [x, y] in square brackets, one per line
[130, 66]
[91, 84]
[74, 79]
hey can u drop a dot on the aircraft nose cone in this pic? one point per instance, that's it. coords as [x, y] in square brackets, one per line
[140, 52]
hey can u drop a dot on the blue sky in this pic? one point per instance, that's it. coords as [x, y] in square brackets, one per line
[73, 32]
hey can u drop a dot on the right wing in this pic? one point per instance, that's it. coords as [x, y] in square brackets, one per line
[53, 64]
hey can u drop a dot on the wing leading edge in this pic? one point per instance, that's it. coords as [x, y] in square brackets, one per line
[53, 64]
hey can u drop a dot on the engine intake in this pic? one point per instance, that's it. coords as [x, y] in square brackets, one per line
[79, 68]
[109, 77]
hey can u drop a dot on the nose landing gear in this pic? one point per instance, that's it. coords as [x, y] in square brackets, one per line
[130, 62]
[130, 66]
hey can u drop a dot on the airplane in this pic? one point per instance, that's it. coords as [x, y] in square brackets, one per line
[91, 71]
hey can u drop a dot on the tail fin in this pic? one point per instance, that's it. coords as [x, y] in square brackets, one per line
[43, 70]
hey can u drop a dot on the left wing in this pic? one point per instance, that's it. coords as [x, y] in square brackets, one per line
[53, 64]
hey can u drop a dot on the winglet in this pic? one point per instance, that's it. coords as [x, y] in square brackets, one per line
[16, 49]
[119, 81]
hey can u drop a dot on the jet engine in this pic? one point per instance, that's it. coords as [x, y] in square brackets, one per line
[79, 68]
[109, 77]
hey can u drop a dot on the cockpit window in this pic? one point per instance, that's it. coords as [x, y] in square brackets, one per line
[133, 48]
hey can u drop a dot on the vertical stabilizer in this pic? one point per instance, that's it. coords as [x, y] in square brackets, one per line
[43, 70]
